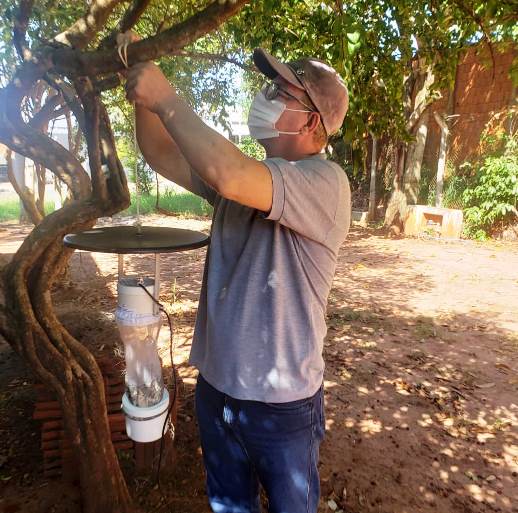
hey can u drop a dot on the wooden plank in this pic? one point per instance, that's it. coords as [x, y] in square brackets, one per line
[52, 453]
[47, 414]
[51, 444]
[58, 456]
[56, 472]
[55, 434]
[116, 437]
[50, 465]
[52, 424]
[47, 405]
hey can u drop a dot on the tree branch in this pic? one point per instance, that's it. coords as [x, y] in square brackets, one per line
[116, 177]
[110, 82]
[128, 21]
[79, 34]
[132, 14]
[170, 41]
[47, 112]
[486, 37]
[21, 137]
[70, 97]
[21, 22]
[91, 108]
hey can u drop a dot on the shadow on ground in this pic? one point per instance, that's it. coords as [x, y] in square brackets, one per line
[421, 408]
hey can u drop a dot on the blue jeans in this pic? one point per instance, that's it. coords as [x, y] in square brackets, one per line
[249, 442]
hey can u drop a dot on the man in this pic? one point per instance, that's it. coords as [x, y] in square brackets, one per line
[276, 231]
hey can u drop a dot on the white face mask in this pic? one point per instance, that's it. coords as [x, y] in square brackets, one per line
[264, 114]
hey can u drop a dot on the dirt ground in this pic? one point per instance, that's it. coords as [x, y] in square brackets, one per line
[421, 381]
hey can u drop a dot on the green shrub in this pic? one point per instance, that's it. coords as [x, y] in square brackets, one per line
[453, 189]
[490, 203]
[183, 203]
[10, 208]
[252, 148]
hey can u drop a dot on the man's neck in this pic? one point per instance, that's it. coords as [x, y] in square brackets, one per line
[292, 157]
[290, 153]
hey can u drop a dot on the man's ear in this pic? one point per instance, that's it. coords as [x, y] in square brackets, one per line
[313, 121]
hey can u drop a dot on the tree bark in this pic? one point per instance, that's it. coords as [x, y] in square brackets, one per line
[397, 204]
[418, 125]
[76, 63]
[412, 176]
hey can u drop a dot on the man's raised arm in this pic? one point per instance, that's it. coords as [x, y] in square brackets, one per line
[215, 159]
[159, 148]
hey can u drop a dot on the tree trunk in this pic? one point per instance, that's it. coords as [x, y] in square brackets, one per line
[397, 204]
[41, 185]
[61, 361]
[412, 176]
[418, 124]
[27, 319]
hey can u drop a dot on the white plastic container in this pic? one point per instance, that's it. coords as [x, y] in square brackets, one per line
[145, 424]
[133, 297]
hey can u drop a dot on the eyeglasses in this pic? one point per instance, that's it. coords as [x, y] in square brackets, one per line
[273, 89]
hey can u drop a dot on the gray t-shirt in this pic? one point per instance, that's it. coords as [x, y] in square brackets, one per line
[261, 317]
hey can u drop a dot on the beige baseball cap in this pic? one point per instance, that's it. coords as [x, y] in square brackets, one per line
[322, 83]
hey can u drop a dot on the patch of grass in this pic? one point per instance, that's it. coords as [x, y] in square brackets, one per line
[349, 314]
[425, 328]
[175, 202]
[10, 209]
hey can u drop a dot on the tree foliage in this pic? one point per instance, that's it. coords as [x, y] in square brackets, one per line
[382, 49]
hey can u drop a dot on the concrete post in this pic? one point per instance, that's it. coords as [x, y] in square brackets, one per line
[372, 190]
[62, 138]
[441, 163]
[19, 176]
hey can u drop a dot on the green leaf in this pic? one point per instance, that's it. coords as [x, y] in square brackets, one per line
[353, 37]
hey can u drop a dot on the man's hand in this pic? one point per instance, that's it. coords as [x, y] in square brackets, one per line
[147, 86]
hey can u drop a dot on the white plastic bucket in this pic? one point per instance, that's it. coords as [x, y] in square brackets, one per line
[145, 424]
[133, 297]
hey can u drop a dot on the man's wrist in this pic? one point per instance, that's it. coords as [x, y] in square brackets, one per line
[166, 108]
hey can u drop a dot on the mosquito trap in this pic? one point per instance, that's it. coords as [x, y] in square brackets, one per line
[146, 403]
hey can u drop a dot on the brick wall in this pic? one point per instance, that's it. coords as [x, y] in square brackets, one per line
[477, 96]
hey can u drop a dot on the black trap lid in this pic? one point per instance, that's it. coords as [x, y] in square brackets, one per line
[127, 239]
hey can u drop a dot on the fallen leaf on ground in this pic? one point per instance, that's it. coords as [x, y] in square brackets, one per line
[485, 385]
[332, 505]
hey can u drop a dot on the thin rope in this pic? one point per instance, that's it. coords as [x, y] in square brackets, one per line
[123, 40]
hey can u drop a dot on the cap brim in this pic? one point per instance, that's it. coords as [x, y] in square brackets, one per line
[272, 68]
